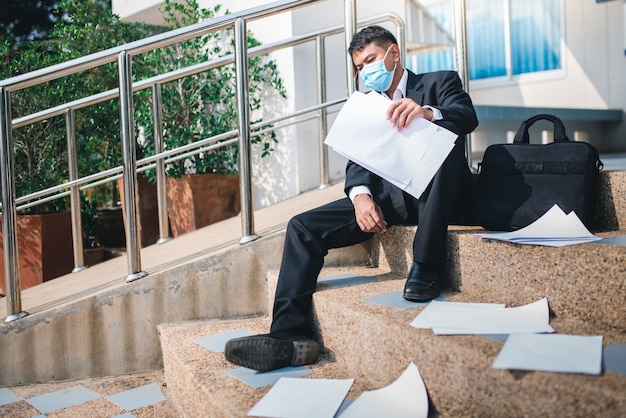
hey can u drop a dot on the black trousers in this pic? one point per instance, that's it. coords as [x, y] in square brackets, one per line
[311, 234]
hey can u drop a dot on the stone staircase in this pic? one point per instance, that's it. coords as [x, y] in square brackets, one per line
[105, 327]
[372, 343]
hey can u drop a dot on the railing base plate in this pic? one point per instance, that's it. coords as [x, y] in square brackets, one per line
[247, 239]
[135, 276]
[15, 317]
[79, 268]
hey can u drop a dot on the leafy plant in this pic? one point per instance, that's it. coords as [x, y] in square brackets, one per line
[41, 148]
[194, 108]
[204, 104]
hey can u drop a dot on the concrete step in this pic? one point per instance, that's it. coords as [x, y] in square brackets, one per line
[373, 344]
[197, 378]
[611, 202]
[585, 281]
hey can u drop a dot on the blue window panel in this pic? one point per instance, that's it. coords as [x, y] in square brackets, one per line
[535, 35]
[486, 39]
[442, 59]
[534, 32]
[435, 61]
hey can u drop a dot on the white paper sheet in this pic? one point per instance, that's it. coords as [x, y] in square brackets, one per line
[533, 317]
[302, 398]
[552, 353]
[404, 398]
[554, 228]
[408, 159]
[421, 320]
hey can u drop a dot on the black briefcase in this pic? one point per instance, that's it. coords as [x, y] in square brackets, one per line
[519, 182]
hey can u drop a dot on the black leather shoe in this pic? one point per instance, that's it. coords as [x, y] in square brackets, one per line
[423, 284]
[265, 352]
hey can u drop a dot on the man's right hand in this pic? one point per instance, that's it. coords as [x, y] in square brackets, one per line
[368, 214]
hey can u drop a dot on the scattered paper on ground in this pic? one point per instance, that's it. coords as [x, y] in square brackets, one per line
[303, 398]
[404, 398]
[408, 159]
[554, 229]
[421, 320]
[258, 379]
[449, 318]
[551, 353]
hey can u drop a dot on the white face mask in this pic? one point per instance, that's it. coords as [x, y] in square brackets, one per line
[375, 75]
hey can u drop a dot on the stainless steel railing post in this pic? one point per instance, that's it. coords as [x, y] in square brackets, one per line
[9, 213]
[72, 162]
[460, 37]
[350, 22]
[322, 120]
[159, 147]
[243, 105]
[129, 159]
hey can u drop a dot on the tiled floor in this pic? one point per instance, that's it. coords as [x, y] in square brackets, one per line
[139, 395]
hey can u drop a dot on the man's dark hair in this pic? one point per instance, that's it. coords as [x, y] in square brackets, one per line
[376, 34]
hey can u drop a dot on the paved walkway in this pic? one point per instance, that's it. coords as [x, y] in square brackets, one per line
[138, 395]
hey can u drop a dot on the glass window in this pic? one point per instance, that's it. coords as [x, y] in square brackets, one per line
[505, 38]
[535, 35]
[486, 41]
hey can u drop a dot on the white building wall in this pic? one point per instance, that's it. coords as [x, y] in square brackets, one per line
[593, 75]
[138, 11]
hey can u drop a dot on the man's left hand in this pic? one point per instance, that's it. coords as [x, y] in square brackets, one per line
[403, 111]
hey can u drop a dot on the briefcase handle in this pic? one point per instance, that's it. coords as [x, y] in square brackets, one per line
[521, 137]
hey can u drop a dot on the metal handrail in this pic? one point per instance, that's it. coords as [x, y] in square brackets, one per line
[170, 156]
[128, 171]
[171, 76]
[162, 40]
[123, 56]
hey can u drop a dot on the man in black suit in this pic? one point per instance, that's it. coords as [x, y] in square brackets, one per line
[371, 206]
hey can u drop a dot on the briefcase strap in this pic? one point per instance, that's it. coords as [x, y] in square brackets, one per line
[535, 167]
[521, 137]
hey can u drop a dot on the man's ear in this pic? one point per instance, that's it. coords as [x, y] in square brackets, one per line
[395, 50]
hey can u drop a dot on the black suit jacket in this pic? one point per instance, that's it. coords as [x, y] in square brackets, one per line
[440, 89]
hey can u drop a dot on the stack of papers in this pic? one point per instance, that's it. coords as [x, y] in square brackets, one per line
[455, 318]
[554, 229]
[408, 159]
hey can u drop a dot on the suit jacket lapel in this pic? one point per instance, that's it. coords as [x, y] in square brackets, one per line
[413, 88]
